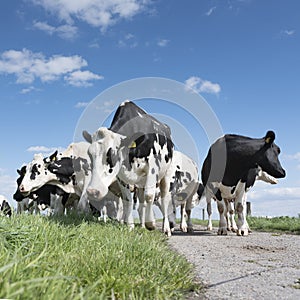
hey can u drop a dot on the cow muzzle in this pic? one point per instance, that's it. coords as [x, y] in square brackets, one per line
[23, 190]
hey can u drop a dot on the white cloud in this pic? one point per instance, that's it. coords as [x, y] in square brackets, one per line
[81, 78]
[28, 66]
[81, 104]
[163, 42]
[279, 193]
[202, 86]
[295, 156]
[210, 11]
[129, 41]
[28, 90]
[41, 149]
[66, 31]
[289, 32]
[101, 14]
[46, 151]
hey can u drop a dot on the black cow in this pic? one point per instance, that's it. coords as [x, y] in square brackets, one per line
[137, 149]
[231, 168]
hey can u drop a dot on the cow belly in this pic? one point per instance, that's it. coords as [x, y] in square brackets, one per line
[230, 192]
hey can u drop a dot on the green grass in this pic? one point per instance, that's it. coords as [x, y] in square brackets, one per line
[278, 224]
[71, 258]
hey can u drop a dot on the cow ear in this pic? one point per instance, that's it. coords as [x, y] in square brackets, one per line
[270, 137]
[87, 136]
[19, 172]
[52, 157]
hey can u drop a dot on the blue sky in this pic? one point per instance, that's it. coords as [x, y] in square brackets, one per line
[242, 56]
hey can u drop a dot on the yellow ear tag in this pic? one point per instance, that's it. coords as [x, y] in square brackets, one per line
[54, 158]
[133, 145]
[268, 140]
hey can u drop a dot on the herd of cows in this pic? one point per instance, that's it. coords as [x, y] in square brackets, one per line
[135, 159]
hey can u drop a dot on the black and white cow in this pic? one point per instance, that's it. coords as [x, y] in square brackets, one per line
[47, 196]
[230, 169]
[137, 150]
[68, 171]
[182, 176]
[5, 208]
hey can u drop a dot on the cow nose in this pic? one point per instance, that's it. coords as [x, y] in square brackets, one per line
[21, 188]
[94, 193]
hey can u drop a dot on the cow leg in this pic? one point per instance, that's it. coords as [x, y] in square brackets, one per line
[142, 205]
[222, 212]
[188, 209]
[56, 203]
[149, 195]
[240, 207]
[183, 224]
[233, 226]
[209, 212]
[165, 201]
[228, 220]
[127, 206]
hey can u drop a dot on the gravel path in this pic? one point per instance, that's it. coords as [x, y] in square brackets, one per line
[259, 266]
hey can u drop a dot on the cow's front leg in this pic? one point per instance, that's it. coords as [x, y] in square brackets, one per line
[165, 203]
[188, 209]
[183, 224]
[142, 206]
[149, 194]
[127, 206]
[240, 207]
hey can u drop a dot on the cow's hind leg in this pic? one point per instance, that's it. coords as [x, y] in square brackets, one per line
[222, 212]
[240, 207]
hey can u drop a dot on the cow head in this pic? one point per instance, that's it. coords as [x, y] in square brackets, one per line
[37, 174]
[105, 154]
[18, 196]
[268, 158]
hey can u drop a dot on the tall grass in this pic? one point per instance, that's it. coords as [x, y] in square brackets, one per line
[71, 258]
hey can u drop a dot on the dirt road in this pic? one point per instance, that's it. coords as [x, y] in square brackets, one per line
[259, 266]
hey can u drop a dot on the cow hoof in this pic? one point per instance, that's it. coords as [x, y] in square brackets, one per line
[222, 231]
[183, 229]
[242, 232]
[190, 229]
[209, 228]
[150, 225]
[168, 233]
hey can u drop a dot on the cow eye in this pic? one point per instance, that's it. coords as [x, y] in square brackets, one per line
[39, 166]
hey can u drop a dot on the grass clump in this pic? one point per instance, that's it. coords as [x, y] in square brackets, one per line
[73, 258]
[281, 224]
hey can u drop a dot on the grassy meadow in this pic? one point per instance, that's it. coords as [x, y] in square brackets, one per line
[72, 258]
